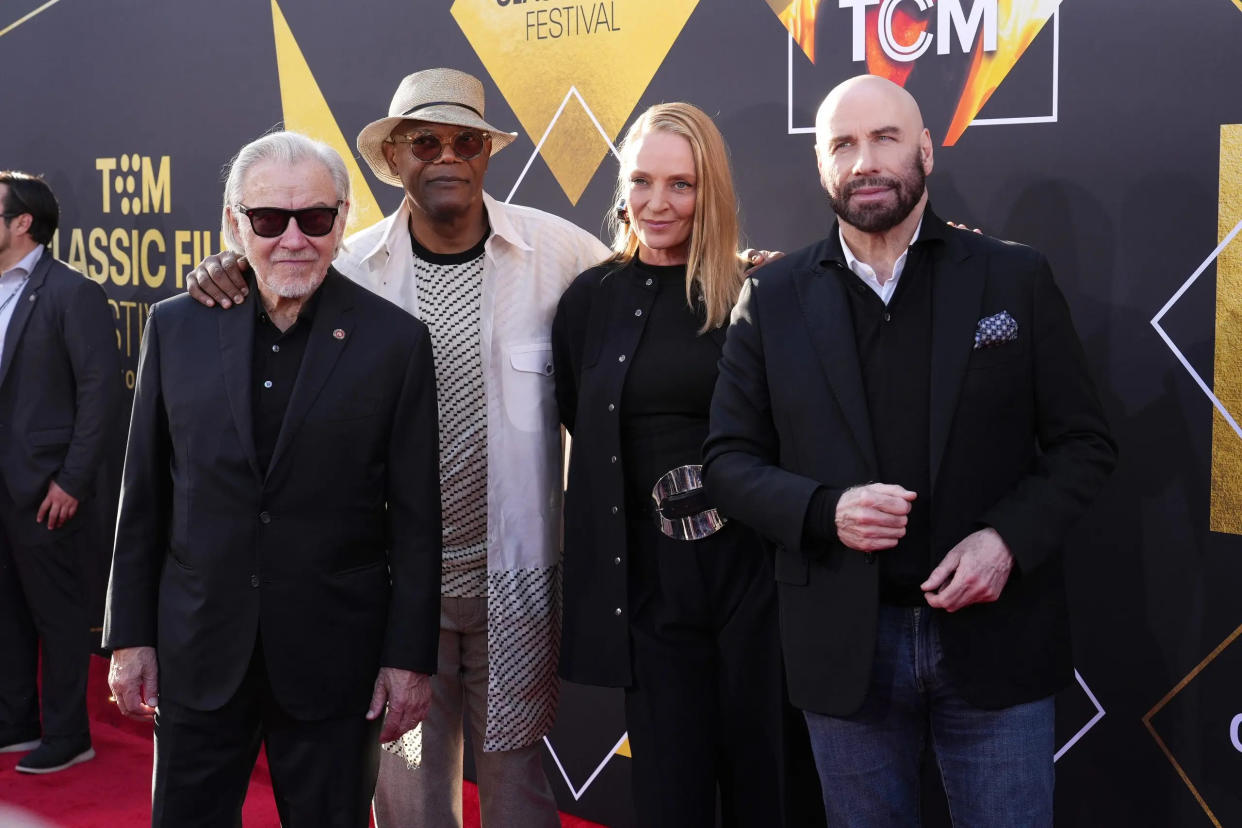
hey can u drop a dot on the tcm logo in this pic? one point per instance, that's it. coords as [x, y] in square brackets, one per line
[1235, 732]
[964, 49]
[953, 23]
[136, 183]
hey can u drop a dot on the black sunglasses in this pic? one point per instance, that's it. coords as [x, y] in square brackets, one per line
[270, 222]
[427, 146]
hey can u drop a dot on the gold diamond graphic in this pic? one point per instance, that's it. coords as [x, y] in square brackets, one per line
[607, 51]
[1160, 705]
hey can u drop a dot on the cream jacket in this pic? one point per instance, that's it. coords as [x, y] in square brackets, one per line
[529, 260]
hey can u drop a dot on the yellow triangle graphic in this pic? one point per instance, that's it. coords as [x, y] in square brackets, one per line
[307, 112]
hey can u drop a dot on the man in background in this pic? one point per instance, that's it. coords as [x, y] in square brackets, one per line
[60, 396]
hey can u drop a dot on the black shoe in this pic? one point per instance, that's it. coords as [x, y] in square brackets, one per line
[19, 741]
[57, 754]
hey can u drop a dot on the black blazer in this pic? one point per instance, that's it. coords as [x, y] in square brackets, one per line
[1017, 440]
[332, 555]
[601, 316]
[60, 389]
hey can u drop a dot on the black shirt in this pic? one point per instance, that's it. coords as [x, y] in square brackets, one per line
[894, 353]
[668, 387]
[274, 368]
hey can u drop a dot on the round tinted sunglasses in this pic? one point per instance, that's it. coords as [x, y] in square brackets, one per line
[427, 146]
[270, 222]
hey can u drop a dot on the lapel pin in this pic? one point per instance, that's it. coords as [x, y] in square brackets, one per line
[339, 333]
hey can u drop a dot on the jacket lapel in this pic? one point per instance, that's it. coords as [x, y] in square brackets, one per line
[831, 328]
[329, 333]
[236, 354]
[23, 308]
[957, 296]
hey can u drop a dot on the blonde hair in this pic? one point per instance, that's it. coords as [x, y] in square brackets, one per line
[714, 271]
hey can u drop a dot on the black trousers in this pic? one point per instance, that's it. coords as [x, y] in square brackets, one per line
[43, 601]
[323, 772]
[707, 712]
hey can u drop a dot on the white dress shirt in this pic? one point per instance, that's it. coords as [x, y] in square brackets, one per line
[867, 273]
[11, 283]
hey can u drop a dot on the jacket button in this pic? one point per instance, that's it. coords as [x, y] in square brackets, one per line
[611, 407]
[617, 611]
[650, 282]
[638, 312]
[254, 581]
[264, 518]
[614, 510]
[617, 561]
[614, 458]
[621, 358]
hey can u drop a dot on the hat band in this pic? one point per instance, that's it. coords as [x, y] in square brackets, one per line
[417, 107]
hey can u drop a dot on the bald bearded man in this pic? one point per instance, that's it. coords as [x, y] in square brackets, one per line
[904, 411]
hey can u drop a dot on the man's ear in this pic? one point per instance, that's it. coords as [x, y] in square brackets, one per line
[925, 150]
[388, 149]
[228, 211]
[20, 224]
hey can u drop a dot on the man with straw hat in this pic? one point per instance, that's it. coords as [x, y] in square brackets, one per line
[485, 277]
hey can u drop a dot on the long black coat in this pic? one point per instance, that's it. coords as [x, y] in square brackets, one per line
[600, 320]
[1017, 440]
[332, 555]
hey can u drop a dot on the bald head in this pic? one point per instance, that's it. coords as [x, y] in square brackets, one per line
[863, 94]
[874, 153]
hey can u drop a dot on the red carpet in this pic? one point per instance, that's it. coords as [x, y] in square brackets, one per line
[114, 788]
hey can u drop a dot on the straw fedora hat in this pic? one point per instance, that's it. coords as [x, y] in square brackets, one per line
[441, 96]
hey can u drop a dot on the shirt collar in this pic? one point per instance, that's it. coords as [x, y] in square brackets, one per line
[867, 274]
[853, 263]
[306, 313]
[499, 216]
[27, 265]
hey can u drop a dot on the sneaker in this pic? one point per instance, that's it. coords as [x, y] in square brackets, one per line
[13, 742]
[56, 755]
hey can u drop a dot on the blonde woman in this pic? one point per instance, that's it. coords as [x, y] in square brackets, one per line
[664, 596]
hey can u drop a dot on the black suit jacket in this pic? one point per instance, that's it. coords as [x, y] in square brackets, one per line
[60, 390]
[1017, 440]
[332, 555]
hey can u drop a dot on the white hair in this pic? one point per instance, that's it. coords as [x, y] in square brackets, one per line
[285, 147]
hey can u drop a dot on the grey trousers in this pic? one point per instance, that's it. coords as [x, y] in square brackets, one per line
[513, 788]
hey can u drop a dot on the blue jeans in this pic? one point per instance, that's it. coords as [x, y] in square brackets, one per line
[996, 764]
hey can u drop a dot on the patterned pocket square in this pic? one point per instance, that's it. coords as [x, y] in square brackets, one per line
[995, 330]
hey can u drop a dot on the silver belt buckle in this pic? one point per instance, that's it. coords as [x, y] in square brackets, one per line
[673, 494]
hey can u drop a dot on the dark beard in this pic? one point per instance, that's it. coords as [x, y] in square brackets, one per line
[878, 218]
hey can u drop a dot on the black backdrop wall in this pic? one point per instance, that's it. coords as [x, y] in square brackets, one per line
[1109, 135]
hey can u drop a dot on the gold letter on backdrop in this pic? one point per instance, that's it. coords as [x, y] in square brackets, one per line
[1227, 375]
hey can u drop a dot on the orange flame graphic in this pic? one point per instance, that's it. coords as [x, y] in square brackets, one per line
[799, 18]
[1018, 22]
[906, 29]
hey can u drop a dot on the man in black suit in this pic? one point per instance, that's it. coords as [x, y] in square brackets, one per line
[904, 410]
[276, 575]
[60, 395]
